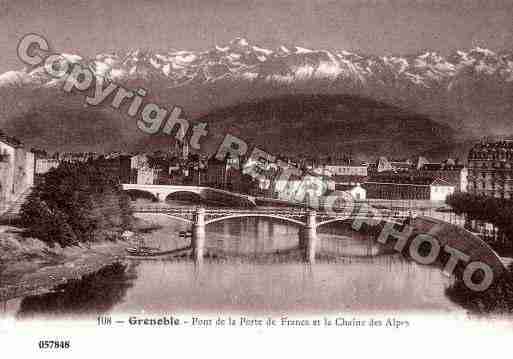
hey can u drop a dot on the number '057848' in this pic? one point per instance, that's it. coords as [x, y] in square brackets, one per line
[54, 344]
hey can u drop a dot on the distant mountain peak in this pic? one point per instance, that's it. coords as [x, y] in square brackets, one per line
[239, 59]
[470, 88]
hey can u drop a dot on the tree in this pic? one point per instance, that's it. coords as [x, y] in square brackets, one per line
[76, 203]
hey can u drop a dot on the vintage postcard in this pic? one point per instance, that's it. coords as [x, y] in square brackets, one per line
[256, 177]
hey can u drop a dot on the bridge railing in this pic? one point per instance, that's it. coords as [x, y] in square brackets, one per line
[264, 211]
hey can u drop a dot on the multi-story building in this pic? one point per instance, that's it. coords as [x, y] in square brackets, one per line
[490, 169]
[408, 188]
[454, 173]
[224, 174]
[43, 165]
[140, 170]
[16, 169]
[383, 165]
[450, 171]
[342, 170]
[147, 176]
[115, 165]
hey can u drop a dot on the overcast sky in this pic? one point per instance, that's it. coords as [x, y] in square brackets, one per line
[368, 26]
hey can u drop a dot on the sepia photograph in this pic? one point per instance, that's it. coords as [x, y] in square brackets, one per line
[297, 177]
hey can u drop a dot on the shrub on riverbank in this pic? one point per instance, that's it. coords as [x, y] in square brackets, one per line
[76, 203]
[496, 211]
[493, 210]
[498, 298]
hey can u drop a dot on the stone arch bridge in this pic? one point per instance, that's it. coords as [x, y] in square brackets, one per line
[208, 194]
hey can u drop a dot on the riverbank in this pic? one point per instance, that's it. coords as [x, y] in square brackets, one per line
[28, 266]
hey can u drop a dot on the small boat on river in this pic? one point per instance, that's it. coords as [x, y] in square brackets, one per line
[136, 253]
[142, 250]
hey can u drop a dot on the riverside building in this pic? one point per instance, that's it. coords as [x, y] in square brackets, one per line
[490, 169]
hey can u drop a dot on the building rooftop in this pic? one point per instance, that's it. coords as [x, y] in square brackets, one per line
[441, 182]
[441, 167]
[10, 140]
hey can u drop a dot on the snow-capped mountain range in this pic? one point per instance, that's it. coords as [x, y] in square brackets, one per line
[239, 60]
[472, 90]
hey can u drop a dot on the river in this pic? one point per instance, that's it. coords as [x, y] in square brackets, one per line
[251, 268]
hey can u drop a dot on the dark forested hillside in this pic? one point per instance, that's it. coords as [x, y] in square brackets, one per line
[325, 124]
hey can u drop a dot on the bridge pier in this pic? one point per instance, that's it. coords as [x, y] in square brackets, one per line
[198, 235]
[308, 237]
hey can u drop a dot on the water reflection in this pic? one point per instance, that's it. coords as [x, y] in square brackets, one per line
[385, 283]
[354, 274]
[95, 294]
